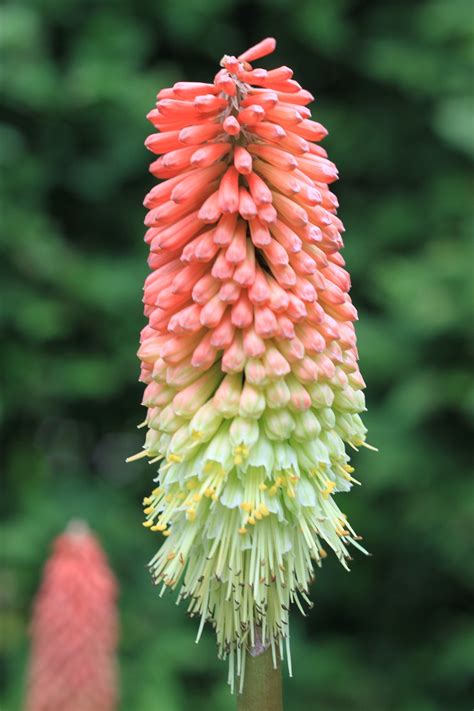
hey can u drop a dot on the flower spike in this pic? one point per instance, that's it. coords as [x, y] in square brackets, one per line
[249, 357]
[74, 630]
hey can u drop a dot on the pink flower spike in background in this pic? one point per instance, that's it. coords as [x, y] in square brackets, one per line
[74, 629]
[249, 357]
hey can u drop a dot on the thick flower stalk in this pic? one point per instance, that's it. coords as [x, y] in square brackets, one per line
[74, 629]
[249, 356]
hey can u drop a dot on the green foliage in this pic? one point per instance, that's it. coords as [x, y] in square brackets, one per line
[391, 81]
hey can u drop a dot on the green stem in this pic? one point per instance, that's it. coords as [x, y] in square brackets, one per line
[263, 686]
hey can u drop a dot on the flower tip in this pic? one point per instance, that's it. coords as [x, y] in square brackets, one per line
[229, 62]
[262, 49]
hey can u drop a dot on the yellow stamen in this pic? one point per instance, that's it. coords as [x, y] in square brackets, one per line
[246, 506]
[330, 486]
[159, 527]
[148, 523]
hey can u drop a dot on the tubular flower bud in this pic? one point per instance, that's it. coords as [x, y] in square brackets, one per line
[74, 629]
[249, 359]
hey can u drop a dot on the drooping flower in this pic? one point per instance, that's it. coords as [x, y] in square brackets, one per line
[74, 629]
[249, 356]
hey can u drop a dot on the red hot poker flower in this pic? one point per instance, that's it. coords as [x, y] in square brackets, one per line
[74, 629]
[249, 356]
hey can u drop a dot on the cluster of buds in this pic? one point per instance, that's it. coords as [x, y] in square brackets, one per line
[249, 355]
[74, 629]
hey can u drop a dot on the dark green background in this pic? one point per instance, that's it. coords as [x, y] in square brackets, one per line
[391, 81]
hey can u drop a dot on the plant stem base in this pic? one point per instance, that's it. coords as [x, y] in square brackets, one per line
[263, 685]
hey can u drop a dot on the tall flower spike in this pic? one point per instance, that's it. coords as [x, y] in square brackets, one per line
[74, 629]
[249, 356]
